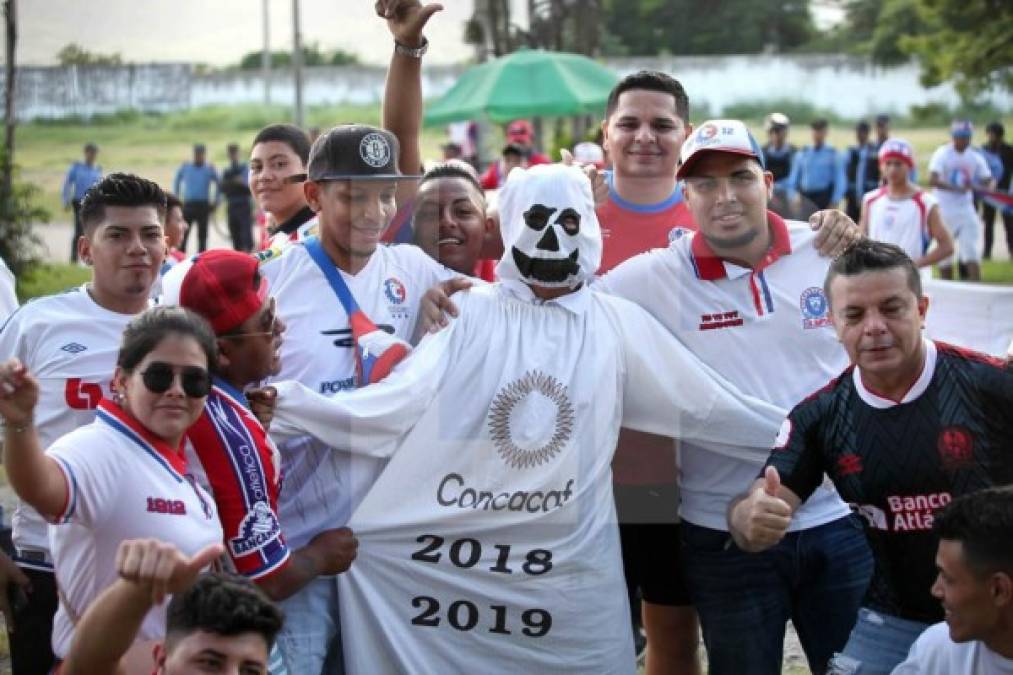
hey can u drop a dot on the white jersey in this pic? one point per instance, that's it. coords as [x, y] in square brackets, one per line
[8, 300]
[490, 537]
[934, 653]
[904, 222]
[123, 484]
[963, 169]
[766, 330]
[69, 343]
[321, 486]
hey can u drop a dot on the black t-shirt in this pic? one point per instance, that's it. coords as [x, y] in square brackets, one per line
[295, 222]
[901, 463]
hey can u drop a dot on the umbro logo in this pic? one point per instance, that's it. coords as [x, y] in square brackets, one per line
[73, 348]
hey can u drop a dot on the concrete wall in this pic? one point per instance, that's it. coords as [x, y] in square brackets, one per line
[852, 86]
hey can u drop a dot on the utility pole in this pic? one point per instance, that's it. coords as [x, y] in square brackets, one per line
[10, 19]
[297, 63]
[265, 56]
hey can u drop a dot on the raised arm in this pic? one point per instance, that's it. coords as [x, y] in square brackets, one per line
[944, 240]
[36, 478]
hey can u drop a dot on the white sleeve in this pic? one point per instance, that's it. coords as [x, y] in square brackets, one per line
[936, 162]
[92, 474]
[671, 392]
[8, 300]
[636, 278]
[371, 420]
[923, 657]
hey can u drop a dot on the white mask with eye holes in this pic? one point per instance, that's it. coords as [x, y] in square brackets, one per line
[551, 235]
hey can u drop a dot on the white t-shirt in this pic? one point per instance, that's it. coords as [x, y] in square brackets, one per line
[321, 486]
[934, 653]
[967, 168]
[69, 343]
[8, 299]
[904, 222]
[767, 331]
[123, 483]
[495, 516]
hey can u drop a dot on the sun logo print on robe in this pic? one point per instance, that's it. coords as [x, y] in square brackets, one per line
[531, 420]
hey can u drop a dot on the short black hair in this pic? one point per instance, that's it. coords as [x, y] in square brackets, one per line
[862, 126]
[290, 135]
[225, 605]
[650, 80]
[882, 119]
[171, 202]
[983, 523]
[819, 123]
[147, 330]
[450, 169]
[869, 255]
[996, 128]
[120, 189]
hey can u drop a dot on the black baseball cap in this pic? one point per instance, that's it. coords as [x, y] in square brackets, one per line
[355, 152]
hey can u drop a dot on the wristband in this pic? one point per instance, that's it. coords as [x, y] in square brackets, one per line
[412, 52]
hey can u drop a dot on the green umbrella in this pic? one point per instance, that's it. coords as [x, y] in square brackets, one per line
[528, 83]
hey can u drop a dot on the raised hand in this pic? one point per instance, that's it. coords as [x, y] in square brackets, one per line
[19, 392]
[406, 19]
[162, 567]
[835, 232]
[761, 519]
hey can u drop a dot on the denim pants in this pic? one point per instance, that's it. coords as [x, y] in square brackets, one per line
[815, 577]
[310, 639]
[878, 644]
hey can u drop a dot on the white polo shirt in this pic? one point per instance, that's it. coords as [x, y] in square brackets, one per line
[967, 168]
[69, 343]
[123, 483]
[934, 653]
[322, 485]
[904, 222]
[766, 330]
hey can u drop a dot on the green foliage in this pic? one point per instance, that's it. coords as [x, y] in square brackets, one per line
[689, 27]
[49, 278]
[312, 56]
[798, 111]
[19, 210]
[74, 54]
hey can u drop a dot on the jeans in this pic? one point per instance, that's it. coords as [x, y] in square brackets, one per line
[310, 640]
[815, 577]
[878, 644]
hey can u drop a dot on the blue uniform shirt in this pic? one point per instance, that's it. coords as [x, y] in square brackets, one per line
[814, 169]
[80, 177]
[196, 182]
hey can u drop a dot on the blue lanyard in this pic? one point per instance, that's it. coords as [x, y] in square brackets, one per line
[331, 273]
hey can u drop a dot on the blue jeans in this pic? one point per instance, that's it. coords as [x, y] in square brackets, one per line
[878, 644]
[310, 639]
[815, 577]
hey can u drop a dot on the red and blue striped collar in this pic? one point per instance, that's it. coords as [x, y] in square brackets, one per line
[174, 460]
[710, 267]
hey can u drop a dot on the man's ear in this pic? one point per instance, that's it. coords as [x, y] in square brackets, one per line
[311, 191]
[224, 353]
[923, 308]
[1002, 590]
[84, 249]
[159, 654]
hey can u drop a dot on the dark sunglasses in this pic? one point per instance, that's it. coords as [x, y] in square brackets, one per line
[159, 377]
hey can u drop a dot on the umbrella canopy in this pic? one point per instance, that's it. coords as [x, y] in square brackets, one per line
[527, 83]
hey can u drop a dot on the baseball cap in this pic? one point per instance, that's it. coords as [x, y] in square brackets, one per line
[776, 120]
[223, 286]
[355, 152]
[961, 129]
[730, 136]
[520, 130]
[896, 148]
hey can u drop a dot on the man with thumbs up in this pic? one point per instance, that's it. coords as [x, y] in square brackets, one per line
[908, 427]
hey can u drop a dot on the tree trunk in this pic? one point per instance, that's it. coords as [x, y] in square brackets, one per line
[10, 19]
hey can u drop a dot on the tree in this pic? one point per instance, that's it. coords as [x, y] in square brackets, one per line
[312, 56]
[966, 41]
[74, 54]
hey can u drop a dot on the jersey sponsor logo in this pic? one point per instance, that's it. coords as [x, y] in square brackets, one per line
[874, 516]
[783, 435]
[720, 320]
[848, 464]
[814, 306]
[172, 507]
[81, 395]
[334, 386]
[916, 512]
[956, 447]
[395, 291]
[258, 528]
[531, 420]
[344, 335]
[453, 492]
[73, 348]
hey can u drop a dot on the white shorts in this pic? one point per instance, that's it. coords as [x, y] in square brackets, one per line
[964, 225]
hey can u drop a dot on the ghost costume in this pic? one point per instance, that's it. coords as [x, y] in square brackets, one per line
[489, 542]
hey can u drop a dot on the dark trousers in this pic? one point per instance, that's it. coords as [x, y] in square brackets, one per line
[196, 213]
[78, 229]
[853, 206]
[988, 214]
[814, 201]
[31, 643]
[240, 217]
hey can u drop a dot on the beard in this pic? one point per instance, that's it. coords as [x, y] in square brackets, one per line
[736, 241]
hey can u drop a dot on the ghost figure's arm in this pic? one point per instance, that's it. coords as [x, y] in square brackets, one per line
[671, 392]
[371, 420]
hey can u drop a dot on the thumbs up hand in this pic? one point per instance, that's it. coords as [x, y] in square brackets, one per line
[760, 520]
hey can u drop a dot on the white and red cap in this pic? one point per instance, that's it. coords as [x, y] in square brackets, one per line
[729, 136]
[223, 286]
[896, 148]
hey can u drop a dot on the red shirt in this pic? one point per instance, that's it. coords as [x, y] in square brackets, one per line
[628, 229]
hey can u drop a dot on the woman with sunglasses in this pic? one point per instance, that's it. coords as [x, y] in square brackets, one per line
[124, 476]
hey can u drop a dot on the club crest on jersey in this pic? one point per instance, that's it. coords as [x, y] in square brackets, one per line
[531, 420]
[374, 150]
[956, 448]
[395, 291]
[259, 528]
[677, 233]
[815, 309]
[73, 348]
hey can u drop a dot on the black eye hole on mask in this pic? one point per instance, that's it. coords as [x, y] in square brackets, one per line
[569, 220]
[537, 217]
